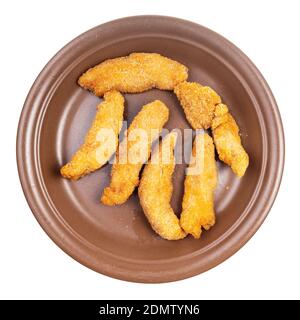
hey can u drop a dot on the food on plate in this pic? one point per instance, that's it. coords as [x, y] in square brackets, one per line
[101, 140]
[155, 190]
[135, 73]
[198, 103]
[228, 142]
[199, 186]
[203, 109]
[134, 151]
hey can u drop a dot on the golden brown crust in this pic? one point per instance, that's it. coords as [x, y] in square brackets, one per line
[135, 73]
[156, 189]
[98, 145]
[228, 142]
[125, 176]
[198, 103]
[199, 187]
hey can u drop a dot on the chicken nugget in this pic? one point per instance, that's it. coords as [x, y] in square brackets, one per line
[198, 103]
[134, 151]
[228, 142]
[199, 186]
[155, 190]
[101, 140]
[135, 73]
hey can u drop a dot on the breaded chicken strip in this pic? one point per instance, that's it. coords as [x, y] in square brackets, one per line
[228, 142]
[125, 174]
[135, 73]
[198, 103]
[199, 186]
[155, 190]
[101, 140]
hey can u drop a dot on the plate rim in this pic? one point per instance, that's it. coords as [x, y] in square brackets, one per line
[73, 245]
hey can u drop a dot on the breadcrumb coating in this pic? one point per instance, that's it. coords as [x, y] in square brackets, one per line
[135, 73]
[101, 140]
[125, 176]
[228, 142]
[199, 186]
[198, 103]
[155, 191]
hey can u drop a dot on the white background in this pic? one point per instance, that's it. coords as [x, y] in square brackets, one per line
[32, 266]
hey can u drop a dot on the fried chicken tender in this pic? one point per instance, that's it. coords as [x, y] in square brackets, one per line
[125, 174]
[155, 190]
[135, 73]
[101, 140]
[228, 142]
[198, 103]
[199, 186]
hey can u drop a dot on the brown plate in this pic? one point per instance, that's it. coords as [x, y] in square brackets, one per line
[118, 241]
